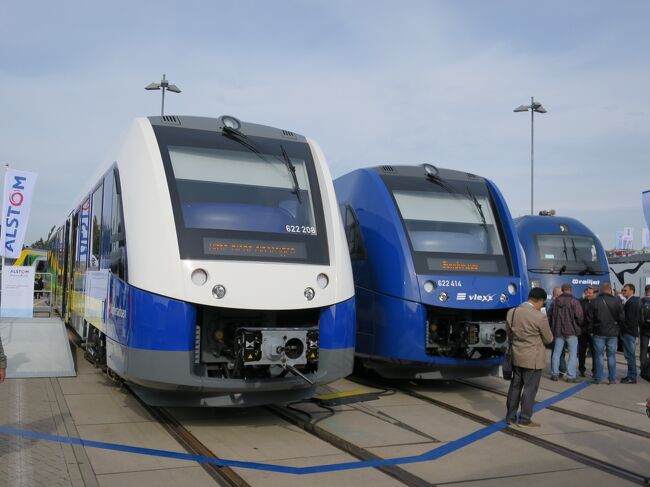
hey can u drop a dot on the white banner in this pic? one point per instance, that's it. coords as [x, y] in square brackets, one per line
[646, 238]
[16, 203]
[17, 292]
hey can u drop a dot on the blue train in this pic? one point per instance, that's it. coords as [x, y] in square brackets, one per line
[436, 265]
[561, 250]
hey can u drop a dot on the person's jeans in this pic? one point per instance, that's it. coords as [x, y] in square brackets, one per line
[629, 349]
[572, 343]
[600, 343]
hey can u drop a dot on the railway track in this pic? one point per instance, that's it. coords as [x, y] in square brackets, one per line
[585, 459]
[568, 412]
[223, 476]
[297, 418]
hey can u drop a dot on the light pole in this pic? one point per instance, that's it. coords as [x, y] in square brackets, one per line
[534, 106]
[164, 85]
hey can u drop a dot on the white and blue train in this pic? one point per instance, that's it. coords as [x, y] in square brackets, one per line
[208, 266]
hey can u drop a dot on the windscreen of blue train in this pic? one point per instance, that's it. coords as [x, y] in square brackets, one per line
[452, 227]
[566, 253]
[236, 201]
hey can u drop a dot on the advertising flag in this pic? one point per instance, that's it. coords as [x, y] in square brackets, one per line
[628, 238]
[16, 203]
[646, 238]
[619, 240]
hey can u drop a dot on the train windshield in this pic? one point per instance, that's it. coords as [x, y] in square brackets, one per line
[452, 227]
[258, 201]
[568, 253]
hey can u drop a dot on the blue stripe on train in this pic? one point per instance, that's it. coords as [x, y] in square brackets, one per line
[140, 319]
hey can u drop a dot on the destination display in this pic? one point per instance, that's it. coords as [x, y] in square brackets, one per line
[461, 265]
[232, 247]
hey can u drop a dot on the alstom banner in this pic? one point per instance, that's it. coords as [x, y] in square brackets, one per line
[16, 202]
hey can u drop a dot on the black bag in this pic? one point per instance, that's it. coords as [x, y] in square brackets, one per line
[645, 315]
[506, 368]
[645, 370]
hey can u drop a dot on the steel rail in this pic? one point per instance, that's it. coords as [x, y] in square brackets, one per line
[590, 461]
[568, 412]
[356, 451]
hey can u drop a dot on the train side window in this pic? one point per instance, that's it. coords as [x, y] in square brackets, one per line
[118, 237]
[353, 235]
[95, 228]
[83, 230]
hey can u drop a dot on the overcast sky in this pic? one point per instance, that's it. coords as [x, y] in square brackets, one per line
[372, 81]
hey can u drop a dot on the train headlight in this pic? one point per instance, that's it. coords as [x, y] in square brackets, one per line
[310, 293]
[199, 277]
[512, 288]
[230, 122]
[503, 298]
[429, 286]
[443, 296]
[322, 280]
[219, 291]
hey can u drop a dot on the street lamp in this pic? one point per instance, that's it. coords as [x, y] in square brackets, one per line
[164, 85]
[533, 107]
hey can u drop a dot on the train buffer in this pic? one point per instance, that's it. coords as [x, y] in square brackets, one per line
[36, 347]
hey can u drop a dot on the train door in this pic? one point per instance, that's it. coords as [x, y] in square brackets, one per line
[71, 267]
[65, 285]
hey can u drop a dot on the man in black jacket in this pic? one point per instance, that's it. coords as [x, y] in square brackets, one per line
[644, 332]
[606, 314]
[630, 330]
[584, 340]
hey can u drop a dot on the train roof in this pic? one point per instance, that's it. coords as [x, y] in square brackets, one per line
[217, 124]
[418, 170]
[534, 224]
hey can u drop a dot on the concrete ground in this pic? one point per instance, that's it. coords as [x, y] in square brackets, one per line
[92, 407]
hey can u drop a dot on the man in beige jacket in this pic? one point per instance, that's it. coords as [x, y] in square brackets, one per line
[529, 332]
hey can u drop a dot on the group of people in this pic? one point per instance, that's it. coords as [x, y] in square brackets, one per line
[596, 322]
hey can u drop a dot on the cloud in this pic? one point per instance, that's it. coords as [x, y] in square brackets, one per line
[372, 82]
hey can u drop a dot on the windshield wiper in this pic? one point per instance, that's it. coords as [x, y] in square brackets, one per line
[575, 253]
[587, 270]
[292, 171]
[565, 251]
[238, 136]
[477, 204]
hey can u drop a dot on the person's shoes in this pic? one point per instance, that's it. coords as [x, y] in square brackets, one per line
[562, 374]
[529, 425]
[555, 378]
[573, 380]
[510, 422]
[582, 374]
[628, 380]
[611, 382]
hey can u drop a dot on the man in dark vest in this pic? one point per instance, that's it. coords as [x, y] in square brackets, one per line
[630, 331]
